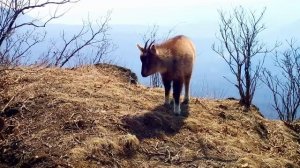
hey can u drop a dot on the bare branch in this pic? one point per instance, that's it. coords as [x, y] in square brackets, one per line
[12, 40]
[91, 37]
[285, 86]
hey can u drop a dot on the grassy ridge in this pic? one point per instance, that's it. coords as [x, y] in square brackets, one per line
[95, 116]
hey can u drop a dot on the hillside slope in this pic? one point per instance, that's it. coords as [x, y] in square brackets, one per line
[94, 117]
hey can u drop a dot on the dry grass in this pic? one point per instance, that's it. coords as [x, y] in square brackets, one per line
[95, 117]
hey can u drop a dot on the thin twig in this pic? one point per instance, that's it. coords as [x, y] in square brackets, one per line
[7, 104]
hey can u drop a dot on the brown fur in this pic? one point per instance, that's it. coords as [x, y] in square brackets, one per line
[174, 60]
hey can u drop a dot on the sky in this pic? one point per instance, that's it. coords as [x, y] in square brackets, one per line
[171, 12]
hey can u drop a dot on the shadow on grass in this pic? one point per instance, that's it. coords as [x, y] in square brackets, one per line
[158, 122]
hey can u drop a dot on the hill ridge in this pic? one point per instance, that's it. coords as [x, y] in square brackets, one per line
[95, 116]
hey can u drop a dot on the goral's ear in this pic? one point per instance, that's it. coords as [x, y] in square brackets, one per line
[140, 48]
[153, 50]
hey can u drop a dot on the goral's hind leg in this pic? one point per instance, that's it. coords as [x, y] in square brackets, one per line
[187, 89]
[177, 87]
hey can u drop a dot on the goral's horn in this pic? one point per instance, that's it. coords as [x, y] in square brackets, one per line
[151, 44]
[145, 47]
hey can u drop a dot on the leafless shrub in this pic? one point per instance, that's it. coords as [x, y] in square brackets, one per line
[93, 38]
[285, 86]
[15, 43]
[239, 45]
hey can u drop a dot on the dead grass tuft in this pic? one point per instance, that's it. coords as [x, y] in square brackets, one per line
[192, 124]
[129, 144]
[78, 153]
[99, 145]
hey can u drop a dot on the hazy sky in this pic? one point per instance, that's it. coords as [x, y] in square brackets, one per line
[173, 12]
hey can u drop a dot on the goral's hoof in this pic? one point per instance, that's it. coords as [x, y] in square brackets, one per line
[177, 114]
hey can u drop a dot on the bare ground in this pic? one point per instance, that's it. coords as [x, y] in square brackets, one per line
[95, 117]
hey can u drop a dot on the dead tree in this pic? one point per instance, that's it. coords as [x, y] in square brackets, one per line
[14, 42]
[239, 45]
[285, 86]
